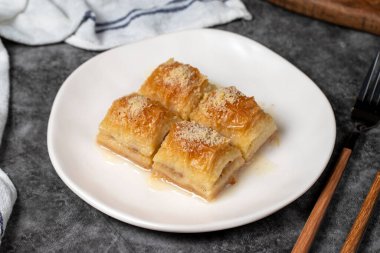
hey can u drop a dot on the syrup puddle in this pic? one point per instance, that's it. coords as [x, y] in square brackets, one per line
[115, 159]
[156, 183]
[112, 158]
[259, 165]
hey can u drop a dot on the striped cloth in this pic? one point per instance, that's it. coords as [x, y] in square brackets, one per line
[8, 192]
[99, 24]
[8, 196]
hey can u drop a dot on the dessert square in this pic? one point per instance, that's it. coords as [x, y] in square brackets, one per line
[177, 86]
[197, 158]
[234, 115]
[134, 127]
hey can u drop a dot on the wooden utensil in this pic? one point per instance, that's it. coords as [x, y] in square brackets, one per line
[359, 14]
[353, 239]
[365, 114]
[310, 229]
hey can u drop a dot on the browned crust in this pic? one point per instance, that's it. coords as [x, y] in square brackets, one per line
[236, 120]
[202, 154]
[237, 117]
[133, 155]
[181, 99]
[144, 124]
[195, 147]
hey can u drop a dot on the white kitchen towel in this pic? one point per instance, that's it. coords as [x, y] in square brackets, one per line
[4, 88]
[8, 197]
[7, 190]
[101, 24]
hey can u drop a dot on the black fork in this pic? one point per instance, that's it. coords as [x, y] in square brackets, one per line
[366, 112]
[365, 115]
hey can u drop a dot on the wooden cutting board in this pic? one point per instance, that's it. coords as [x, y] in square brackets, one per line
[359, 14]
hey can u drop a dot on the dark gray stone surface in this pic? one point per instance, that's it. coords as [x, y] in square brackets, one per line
[49, 217]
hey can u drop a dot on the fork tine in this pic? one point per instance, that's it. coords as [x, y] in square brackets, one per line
[375, 97]
[368, 81]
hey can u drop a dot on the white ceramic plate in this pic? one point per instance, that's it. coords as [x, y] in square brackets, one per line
[280, 174]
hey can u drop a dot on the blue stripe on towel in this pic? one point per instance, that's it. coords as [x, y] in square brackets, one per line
[1, 225]
[88, 15]
[150, 12]
[99, 24]
[136, 13]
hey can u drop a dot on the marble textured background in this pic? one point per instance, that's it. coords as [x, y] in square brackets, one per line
[49, 217]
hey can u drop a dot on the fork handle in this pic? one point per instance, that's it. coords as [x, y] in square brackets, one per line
[310, 229]
[353, 239]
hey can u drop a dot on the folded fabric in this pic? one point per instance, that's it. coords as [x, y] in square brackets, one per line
[98, 24]
[8, 196]
[4, 88]
[7, 190]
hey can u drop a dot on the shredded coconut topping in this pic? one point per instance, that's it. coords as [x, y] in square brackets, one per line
[193, 132]
[222, 96]
[179, 75]
[136, 105]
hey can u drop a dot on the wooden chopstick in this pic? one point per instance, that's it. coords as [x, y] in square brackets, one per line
[312, 224]
[357, 230]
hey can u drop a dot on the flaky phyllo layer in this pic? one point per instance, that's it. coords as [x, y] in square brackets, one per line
[197, 158]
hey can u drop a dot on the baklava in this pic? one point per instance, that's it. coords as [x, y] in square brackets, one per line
[197, 158]
[177, 86]
[236, 116]
[134, 127]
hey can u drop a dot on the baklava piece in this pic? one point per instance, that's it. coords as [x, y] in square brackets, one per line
[236, 116]
[177, 86]
[197, 158]
[134, 127]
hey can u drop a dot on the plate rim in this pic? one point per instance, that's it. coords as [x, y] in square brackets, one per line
[179, 228]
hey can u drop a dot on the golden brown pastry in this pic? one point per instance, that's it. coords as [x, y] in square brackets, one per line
[197, 158]
[134, 127]
[177, 86]
[236, 116]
